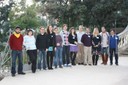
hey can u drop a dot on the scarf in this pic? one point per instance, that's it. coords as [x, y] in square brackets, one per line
[17, 35]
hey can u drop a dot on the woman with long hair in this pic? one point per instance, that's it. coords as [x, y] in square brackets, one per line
[96, 45]
[73, 45]
[51, 46]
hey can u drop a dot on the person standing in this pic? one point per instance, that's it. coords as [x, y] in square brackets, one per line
[16, 43]
[73, 45]
[80, 54]
[113, 46]
[51, 46]
[87, 41]
[96, 46]
[104, 45]
[41, 46]
[64, 34]
[58, 53]
[30, 46]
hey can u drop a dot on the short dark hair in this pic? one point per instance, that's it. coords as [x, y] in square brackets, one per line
[113, 30]
[29, 31]
[17, 27]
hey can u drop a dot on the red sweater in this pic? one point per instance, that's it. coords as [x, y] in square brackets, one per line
[16, 43]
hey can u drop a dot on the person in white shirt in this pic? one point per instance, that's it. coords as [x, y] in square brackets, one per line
[64, 34]
[30, 45]
[104, 45]
[80, 54]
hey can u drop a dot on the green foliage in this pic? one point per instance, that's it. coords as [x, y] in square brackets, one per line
[87, 12]
[25, 16]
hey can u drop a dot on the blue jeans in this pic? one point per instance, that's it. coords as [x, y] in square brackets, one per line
[15, 54]
[58, 57]
[42, 56]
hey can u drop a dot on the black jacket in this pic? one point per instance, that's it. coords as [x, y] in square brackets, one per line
[51, 40]
[41, 41]
[72, 39]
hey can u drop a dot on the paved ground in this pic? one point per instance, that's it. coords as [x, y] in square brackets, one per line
[78, 75]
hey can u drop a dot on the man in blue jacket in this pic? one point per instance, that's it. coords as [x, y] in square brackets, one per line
[113, 45]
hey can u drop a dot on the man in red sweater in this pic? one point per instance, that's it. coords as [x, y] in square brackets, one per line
[16, 43]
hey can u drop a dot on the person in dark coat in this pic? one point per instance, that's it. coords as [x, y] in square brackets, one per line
[96, 46]
[73, 45]
[50, 46]
[41, 47]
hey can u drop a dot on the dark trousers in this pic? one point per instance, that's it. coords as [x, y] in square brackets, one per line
[95, 56]
[33, 59]
[66, 55]
[17, 54]
[113, 51]
[73, 57]
[50, 55]
[95, 59]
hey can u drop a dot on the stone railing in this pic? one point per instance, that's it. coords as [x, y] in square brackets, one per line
[123, 43]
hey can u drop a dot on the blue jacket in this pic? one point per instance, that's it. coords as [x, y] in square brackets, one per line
[113, 41]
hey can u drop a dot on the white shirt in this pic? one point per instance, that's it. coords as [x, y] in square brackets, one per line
[104, 42]
[79, 36]
[29, 42]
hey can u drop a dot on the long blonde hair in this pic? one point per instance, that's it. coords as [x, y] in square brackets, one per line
[95, 31]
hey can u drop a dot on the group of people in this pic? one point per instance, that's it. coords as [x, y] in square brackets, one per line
[63, 49]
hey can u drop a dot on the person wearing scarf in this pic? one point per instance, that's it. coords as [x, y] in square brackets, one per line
[16, 43]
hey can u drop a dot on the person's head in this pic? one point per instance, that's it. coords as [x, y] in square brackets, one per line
[87, 30]
[49, 29]
[17, 30]
[96, 31]
[29, 32]
[42, 30]
[72, 30]
[56, 30]
[80, 28]
[103, 29]
[112, 31]
[65, 27]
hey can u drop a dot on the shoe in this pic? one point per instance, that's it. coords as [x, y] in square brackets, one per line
[55, 67]
[44, 69]
[90, 64]
[13, 75]
[117, 64]
[33, 71]
[73, 64]
[85, 64]
[22, 73]
[79, 63]
[102, 63]
[50, 68]
[60, 67]
[29, 62]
